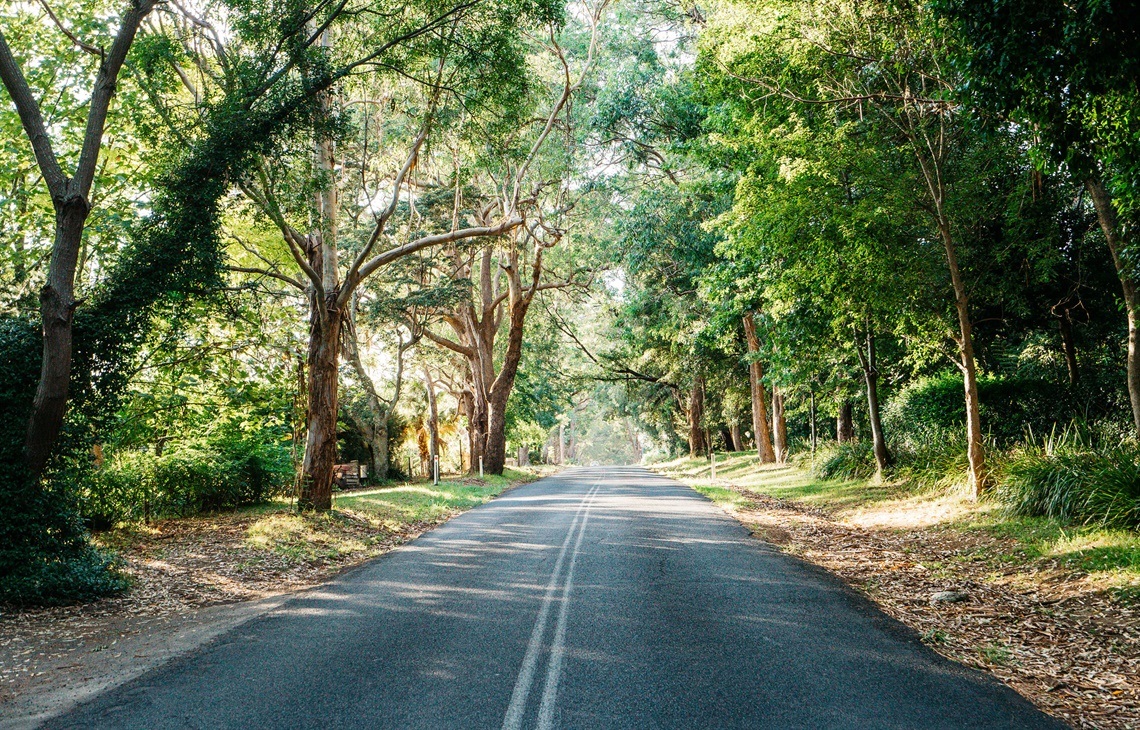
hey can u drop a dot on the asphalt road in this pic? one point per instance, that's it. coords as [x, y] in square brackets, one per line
[600, 598]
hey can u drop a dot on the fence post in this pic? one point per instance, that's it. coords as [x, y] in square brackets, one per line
[435, 470]
[712, 455]
[480, 467]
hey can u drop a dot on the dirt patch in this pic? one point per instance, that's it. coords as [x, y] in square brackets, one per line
[192, 579]
[1072, 649]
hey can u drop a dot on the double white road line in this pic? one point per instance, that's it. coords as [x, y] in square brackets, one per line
[516, 710]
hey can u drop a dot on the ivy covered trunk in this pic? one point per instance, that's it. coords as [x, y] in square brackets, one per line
[320, 442]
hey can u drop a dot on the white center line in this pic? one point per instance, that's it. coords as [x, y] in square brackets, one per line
[513, 718]
[558, 648]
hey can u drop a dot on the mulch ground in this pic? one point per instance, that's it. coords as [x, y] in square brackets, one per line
[1072, 649]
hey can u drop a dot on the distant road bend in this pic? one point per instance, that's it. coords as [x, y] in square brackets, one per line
[599, 598]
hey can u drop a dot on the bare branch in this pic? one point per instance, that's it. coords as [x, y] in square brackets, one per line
[86, 47]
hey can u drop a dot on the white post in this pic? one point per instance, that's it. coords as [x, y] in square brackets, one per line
[712, 455]
[480, 467]
[435, 470]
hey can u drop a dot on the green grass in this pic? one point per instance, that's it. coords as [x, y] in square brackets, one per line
[362, 522]
[420, 501]
[783, 482]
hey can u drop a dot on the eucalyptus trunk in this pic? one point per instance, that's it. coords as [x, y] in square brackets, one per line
[1068, 346]
[433, 419]
[764, 448]
[845, 423]
[869, 363]
[975, 449]
[779, 426]
[696, 413]
[320, 442]
[1110, 225]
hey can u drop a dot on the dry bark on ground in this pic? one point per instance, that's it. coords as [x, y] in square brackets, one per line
[1070, 648]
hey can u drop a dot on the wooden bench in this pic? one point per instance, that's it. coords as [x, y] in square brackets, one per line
[347, 476]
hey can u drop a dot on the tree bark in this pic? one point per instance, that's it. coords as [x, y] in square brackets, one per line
[764, 448]
[1110, 225]
[871, 378]
[845, 423]
[320, 443]
[696, 414]
[779, 426]
[433, 418]
[57, 306]
[1068, 346]
[975, 449]
[736, 443]
[71, 199]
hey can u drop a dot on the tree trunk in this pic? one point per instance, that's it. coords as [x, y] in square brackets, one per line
[737, 441]
[504, 383]
[1106, 214]
[478, 432]
[975, 449]
[320, 443]
[433, 419]
[697, 445]
[1068, 346]
[779, 426]
[378, 446]
[871, 378]
[759, 409]
[57, 305]
[495, 458]
[845, 423]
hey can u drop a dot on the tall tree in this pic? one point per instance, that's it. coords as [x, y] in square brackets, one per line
[71, 201]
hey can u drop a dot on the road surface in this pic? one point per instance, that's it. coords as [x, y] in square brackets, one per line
[599, 598]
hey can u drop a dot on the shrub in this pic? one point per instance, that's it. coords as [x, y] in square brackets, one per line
[1075, 484]
[1010, 408]
[189, 480]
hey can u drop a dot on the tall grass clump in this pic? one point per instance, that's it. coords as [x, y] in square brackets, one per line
[845, 461]
[1070, 480]
[933, 458]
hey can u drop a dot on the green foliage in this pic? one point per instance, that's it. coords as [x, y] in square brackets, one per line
[1012, 408]
[846, 461]
[195, 478]
[172, 256]
[1075, 484]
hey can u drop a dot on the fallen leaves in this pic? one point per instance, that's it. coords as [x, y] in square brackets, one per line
[177, 567]
[1069, 647]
